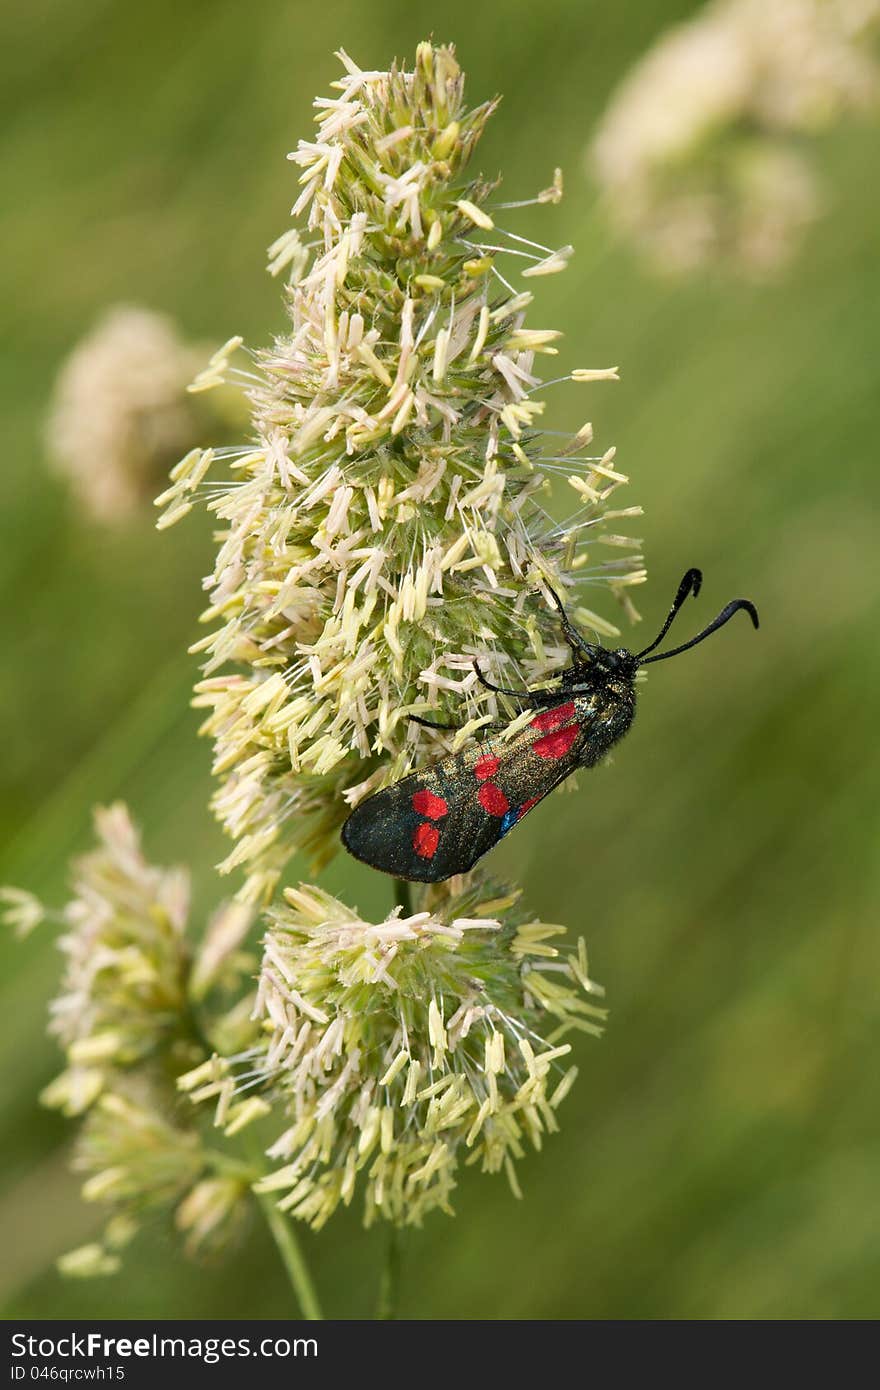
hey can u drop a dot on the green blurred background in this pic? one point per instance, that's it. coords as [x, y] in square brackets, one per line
[720, 1155]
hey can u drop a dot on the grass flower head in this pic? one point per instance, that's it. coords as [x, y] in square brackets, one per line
[400, 1050]
[123, 992]
[387, 524]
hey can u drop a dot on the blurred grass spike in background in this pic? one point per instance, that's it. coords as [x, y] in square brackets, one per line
[720, 1152]
[706, 154]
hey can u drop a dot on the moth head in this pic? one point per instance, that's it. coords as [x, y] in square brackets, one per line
[608, 664]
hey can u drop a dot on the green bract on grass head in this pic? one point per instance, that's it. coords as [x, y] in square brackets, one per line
[387, 523]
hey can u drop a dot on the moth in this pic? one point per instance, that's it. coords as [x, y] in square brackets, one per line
[439, 820]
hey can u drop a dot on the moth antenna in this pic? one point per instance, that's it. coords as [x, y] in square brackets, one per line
[690, 584]
[723, 617]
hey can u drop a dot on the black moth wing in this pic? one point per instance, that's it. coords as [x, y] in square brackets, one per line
[439, 820]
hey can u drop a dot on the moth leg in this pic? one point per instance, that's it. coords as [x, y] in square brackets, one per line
[576, 641]
[528, 698]
[430, 724]
[522, 695]
[545, 698]
[452, 728]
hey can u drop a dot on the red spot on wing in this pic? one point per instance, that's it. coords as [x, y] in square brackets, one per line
[527, 806]
[552, 718]
[492, 799]
[557, 744]
[426, 838]
[485, 767]
[427, 804]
